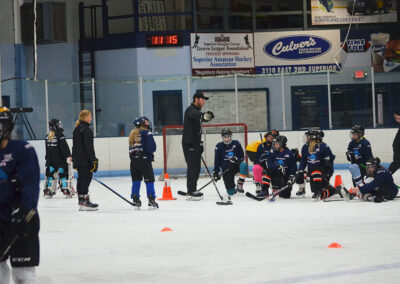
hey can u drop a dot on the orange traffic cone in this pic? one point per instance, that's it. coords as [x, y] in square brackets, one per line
[338, 180]
[167, 194]
[166, 229]
[335, 245]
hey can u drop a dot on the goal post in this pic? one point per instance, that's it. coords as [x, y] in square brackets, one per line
[173, 158]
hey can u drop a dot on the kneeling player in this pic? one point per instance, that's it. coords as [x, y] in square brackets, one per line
[229, 157]
[279, 168]
[141, 151]
[57, 153]
[381, 188]
[19, 194]
[261, 149]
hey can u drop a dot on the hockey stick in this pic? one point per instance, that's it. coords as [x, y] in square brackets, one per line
[185, 193]
[113, 191]
[28, 218]
[222, 202]
[273, 196]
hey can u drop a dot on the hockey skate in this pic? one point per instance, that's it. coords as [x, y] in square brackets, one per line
[194, 196]
[136, 202]
[239, 187]
[152, 203]
[263, 193]
[258, 188]
[67, 192]
[48, 193]
[345, 193]
[86, 205]
[302, 191]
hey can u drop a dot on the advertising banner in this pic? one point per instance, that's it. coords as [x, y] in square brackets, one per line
[339, 12]
[297, 51]
[385, 53]
[216, 54]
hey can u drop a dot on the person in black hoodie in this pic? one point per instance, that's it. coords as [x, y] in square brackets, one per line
[395, 165]
[57, 153]
[84, 159]
[191, 142]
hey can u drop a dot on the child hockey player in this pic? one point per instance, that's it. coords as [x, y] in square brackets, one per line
[265, 146]
[19, 194]
[279, 168]
[84, 159]
[358, 153]
[229, 158]
[57, 153]
[141, 151]
[380, 188]
[318, 158]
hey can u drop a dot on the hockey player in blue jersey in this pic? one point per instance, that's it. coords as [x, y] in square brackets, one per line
[379, 185]
[19, 194]
[141, 151]
[279, 168]
[317, 157]
[57, 153]
[229, 158]
[358, 153]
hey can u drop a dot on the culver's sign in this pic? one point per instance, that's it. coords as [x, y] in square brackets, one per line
[297, 52]
[297, 47]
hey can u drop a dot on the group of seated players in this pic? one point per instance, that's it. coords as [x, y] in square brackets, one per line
[279, 168]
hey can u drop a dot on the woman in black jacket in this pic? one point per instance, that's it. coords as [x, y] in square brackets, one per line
[57, 153]
[84, 159]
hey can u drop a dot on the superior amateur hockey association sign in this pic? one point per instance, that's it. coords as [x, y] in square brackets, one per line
[221, 54]
[297, 52]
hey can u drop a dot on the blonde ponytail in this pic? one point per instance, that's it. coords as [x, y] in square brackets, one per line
[311, 146]
[82, 116]
[134, 136]
[51, 135]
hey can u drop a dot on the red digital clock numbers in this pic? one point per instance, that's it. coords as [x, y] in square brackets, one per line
[163, 40]
[359, 74]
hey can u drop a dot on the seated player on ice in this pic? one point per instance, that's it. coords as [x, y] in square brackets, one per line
[358, 153]
[255, 150]
[229, 158]
[279, 168]
[317, 157]
[378, 187]
[57, 154]
[141, 151]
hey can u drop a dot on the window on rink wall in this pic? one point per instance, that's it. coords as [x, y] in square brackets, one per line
[167, 109]
[309, 107]
[387, 101]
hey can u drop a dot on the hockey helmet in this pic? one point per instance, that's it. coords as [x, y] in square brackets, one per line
[226, 134]
[372, 164]
[55, 124]
[279, 142]
[357, 129]
[7, 123]
[141, 121]
[311, 134]
[321, 134]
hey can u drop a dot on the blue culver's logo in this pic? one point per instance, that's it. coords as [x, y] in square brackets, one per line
[297, 47]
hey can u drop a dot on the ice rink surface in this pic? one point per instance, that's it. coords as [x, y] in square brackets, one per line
[248, 242]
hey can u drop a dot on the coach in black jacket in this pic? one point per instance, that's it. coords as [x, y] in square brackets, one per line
[396, 148]
[191, 141]
[84, 159]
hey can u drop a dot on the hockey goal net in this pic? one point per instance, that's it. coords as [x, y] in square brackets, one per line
[174, 160]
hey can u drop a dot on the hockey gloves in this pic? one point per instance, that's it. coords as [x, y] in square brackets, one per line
[216, 176]
[350, 156]
[20, 220]
[291, 180]
[233, 162]
[207, 116]
[95, 165]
